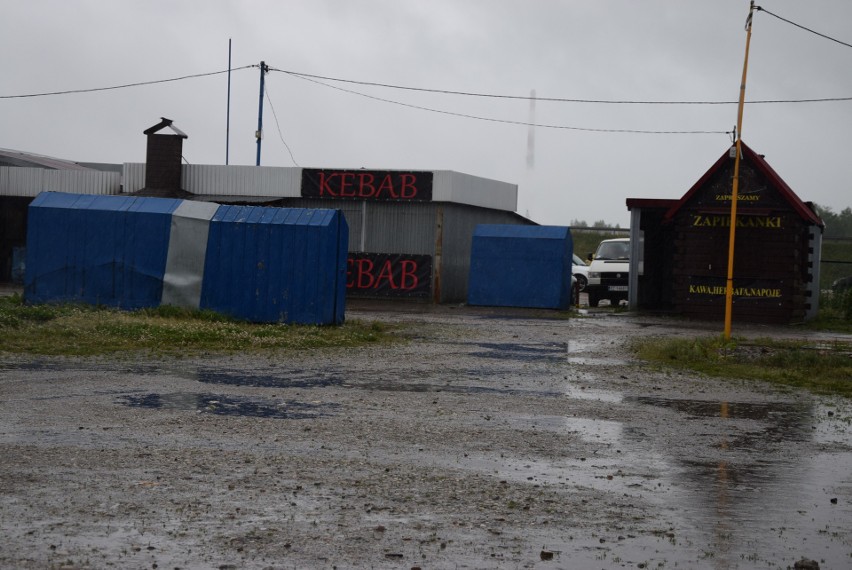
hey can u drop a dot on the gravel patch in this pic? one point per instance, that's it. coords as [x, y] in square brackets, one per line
[489, 439]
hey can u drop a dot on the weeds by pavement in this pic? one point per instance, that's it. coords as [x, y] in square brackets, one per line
[84, 330]
[821, 367]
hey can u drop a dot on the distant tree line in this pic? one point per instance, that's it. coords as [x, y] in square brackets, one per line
[836, 225]
[599, 224]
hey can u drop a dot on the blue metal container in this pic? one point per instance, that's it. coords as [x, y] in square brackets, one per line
[258, 264]
[101, 250]
[277, 264]
[521, 266]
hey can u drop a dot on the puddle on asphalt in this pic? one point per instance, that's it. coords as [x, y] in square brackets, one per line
[769, 509]
[299, 379]
[780, 421]
[596, 361]
[594, 430]
[521, 352]
[389, 386]
[581, 345]
[221, 405]
[593, 394]
[576, 350]
[772, 506]
[602, 467]
[302, 380]
[75, 366]
[734, 410]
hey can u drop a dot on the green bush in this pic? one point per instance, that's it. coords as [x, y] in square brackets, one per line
[837, 304]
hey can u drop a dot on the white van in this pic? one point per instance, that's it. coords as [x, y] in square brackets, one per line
[608, 272]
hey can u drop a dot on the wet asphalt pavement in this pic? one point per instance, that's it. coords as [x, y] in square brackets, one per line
[490, 439]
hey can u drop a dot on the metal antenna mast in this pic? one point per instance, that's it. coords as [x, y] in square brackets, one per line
[228, 114]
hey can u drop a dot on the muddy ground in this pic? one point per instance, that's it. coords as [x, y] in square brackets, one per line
[489, 440]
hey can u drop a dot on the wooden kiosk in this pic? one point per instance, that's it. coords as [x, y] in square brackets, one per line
[682, 247]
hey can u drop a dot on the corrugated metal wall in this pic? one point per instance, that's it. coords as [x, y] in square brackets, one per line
[442, 231]
[396, 227]
[207, 180]
[133, 177]
[285, 182]
[257, 181]
[384, 227]
[459, 222]
[220, 180]
[28, 182]
[277, 264]
[460, 188]
[102, 250]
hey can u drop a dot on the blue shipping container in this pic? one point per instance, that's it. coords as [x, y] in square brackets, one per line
[277, 264]
[101, 250]
[521, 266]
[258, 264]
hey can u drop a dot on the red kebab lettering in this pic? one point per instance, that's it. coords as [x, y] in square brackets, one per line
[365, 274]
[366, 185]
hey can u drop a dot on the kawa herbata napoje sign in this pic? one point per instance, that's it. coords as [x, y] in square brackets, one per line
[753, 290]
[384, 185]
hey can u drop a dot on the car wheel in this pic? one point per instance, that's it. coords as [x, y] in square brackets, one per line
[581, 281]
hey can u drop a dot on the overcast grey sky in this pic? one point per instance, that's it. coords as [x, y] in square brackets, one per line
[660, 50]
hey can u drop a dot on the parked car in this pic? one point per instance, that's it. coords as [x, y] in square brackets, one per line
[608, 267]
[581, 272]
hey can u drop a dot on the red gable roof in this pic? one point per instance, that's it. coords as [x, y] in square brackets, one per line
[802, 209]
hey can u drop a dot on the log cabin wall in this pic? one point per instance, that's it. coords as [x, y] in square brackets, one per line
[771, 255]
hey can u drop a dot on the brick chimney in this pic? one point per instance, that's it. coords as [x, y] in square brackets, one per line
[163, 162]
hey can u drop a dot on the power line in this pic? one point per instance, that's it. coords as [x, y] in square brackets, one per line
[141, 83]
[277, 124]
[507, 121]
[309, 76]
[551, 99]
[759, 8]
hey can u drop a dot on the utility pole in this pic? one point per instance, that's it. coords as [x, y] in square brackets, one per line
[259, 133]
[228, 113]
[729, 287]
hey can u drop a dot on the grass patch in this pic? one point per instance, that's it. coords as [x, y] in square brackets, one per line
[822, 368]
[82, 330]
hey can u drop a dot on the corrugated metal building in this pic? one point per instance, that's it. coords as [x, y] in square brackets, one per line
[22, 176]
[410, 232]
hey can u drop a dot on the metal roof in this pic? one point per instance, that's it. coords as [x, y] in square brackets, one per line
[164, 122]
[759, 162]
[17, 158]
